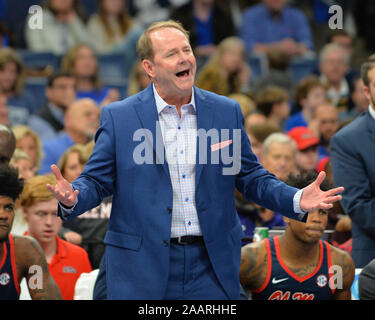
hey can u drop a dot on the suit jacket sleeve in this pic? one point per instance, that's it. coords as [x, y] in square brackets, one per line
[348, 170]
[260, 186]
[98, 178]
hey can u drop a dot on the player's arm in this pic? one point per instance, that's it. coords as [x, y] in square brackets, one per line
[39, 281]
[253, 270]
[345, 262]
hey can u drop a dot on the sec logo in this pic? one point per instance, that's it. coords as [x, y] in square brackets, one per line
[4, 279]
[321, 280]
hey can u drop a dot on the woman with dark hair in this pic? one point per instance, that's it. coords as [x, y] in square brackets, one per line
[63, 27]
[114, 31]
[82, 63]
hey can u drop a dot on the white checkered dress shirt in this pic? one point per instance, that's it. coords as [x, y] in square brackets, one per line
[179, 138]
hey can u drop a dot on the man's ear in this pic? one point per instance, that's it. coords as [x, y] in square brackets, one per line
[148, 66]
[25, 214]
[366, 91]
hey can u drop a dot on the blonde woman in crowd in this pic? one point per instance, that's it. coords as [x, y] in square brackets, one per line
[29, 142]
[138, 79]
[227, 71]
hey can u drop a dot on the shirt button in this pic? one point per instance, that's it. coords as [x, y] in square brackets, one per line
[183, 176]
[182, 151]
[179, 128]
[189, 223]
[186, 199]
[165, 243]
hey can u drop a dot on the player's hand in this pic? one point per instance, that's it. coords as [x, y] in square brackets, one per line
[63, 190]
[313, 198]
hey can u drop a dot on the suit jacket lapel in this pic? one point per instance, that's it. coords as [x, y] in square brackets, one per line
[370, 126]
[148, 116]
[205, 118]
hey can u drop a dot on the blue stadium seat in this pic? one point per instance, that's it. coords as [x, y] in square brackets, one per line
[112, 68]
[35, 60]
[257, 65]
[36, 87]
[301, 68]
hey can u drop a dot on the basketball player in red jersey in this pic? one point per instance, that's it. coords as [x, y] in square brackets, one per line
[20, 256]
[297, 265]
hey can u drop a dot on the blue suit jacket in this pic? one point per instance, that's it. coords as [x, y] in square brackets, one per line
[137, 252]
[353, 165]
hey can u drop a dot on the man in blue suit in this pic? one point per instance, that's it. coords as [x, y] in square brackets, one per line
[174, 232]
[353, 165]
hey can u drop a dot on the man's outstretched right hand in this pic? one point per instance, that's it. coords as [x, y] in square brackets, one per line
[63, 190]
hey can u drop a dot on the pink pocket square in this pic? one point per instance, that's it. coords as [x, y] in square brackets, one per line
[220, 145]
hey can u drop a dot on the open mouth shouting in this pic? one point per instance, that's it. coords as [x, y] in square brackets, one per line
[183, 74]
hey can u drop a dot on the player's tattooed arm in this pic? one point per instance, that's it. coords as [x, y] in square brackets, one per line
[33, 263]
[253, 270]
[345, 261]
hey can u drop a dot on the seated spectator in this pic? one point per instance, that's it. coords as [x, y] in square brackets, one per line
[112, 30]
[138, 79]
[20, 255]
[81, 122]
[7, 145]
[259, 132]
[307, 148]
[309, 93]
[278, 155]
[48, 121]
[22, 162]
[358, 100]
[278, 73]
[29, 142]
[227, 70]
[325, 124]
[333, 66]
[254, 117]
[12, 78]
[82, 63]
[273, 25]
[89, 228]
[208, 24]
[4, 112]
[247, 105]
[150, 11]
[7, 38]
[63, 28]
[345, 40]
[273, 103]
[66, 261]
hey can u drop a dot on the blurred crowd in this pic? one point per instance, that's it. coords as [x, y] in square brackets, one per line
[297, 82]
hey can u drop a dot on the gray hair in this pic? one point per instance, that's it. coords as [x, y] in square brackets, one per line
[278, 137]
[333, 47]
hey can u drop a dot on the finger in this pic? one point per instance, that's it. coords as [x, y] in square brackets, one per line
[320, 178]
[325, 206]
[50, 188]
[333, 199]
[56, 171]
[334, 191]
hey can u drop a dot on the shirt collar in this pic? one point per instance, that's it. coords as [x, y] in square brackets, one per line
[161, 104]
[372, 111]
